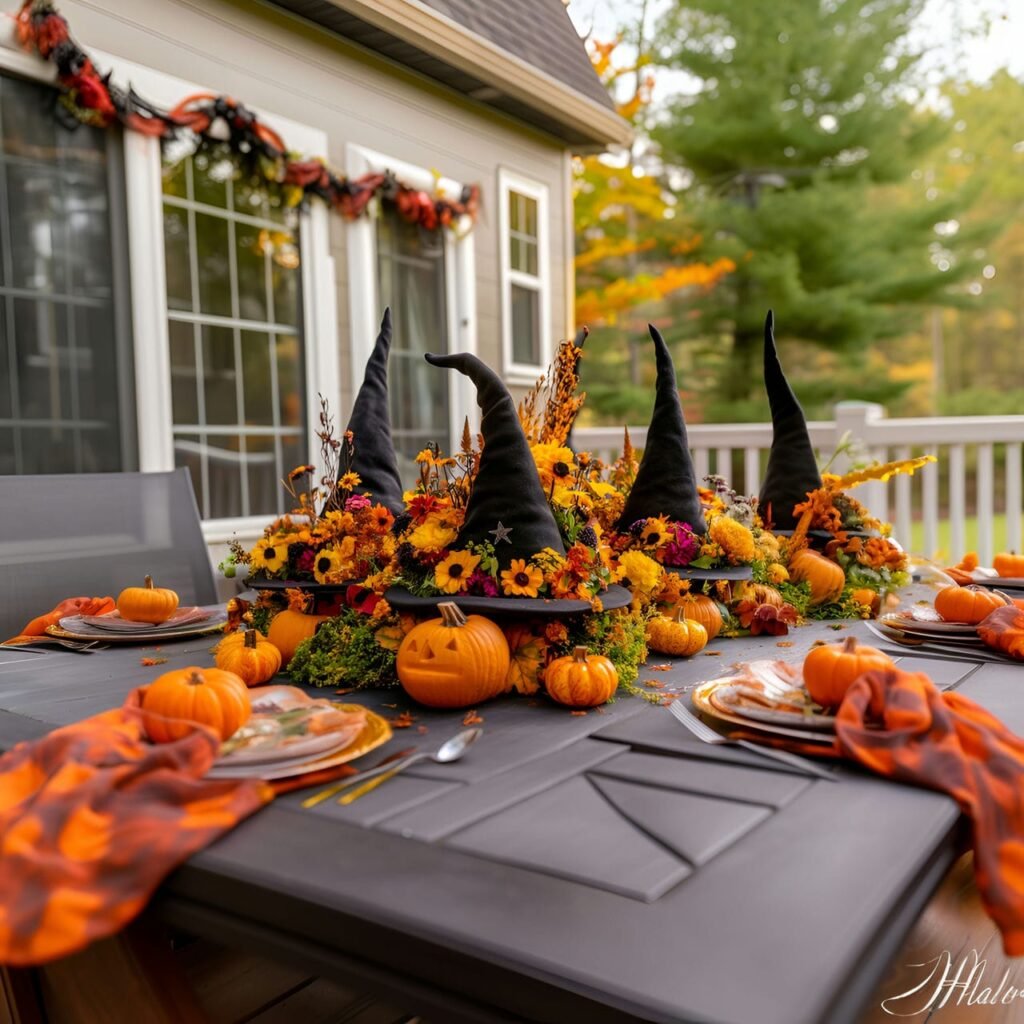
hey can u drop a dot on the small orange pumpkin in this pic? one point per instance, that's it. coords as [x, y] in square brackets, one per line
[829, 670]
[454, 661]
[249, 655]
[676, 635]
[826, 578]
[867, 598]
[701, 608]
[581, 680]
[174, 703]
[967, 604]
[1009, 564]
[289, 628]
[147, 603]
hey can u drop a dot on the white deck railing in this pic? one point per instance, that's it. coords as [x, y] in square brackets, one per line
[962, 484]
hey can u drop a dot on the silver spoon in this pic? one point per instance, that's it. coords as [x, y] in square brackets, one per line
[449, 751]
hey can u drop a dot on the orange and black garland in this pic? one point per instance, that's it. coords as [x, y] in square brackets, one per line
[90, 98]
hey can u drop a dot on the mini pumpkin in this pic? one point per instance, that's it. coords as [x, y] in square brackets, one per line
[1003, 630]
[1009, 564]
[581, 680]
[289, 628]
[830, 670]
[455, 661]
[826, 578]
[701, 608]
[759, 593]
[676, 635]
[968, 605]
[147, 603]
[250, 655]
[174, 703]
[867, 598]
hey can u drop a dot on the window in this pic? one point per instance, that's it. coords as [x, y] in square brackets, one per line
[524, 268]
[235, 335]
[66, 383]
[411, 269]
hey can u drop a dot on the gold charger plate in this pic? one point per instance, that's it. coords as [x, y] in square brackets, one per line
[110, 637]
[375, 733]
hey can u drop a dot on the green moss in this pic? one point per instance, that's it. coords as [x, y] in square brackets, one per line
[344, 652]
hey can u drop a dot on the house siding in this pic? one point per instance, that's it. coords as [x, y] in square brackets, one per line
[279, 64]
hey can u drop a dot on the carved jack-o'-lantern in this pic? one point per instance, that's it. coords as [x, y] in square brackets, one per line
[453, 661]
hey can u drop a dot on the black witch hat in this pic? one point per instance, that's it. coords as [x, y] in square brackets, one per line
[665, 484]
[507, 506]
[370, 423]
[792, 467]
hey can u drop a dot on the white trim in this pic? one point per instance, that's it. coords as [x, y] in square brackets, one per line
[508, 182]
[363, 286]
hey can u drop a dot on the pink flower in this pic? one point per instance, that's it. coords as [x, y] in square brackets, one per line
[482, 584]
[356, 502]
[683, 548]
[304, 563]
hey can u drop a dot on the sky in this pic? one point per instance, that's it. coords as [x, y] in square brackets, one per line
[976, 37]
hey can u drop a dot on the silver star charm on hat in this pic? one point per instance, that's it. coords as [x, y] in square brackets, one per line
[501, 533]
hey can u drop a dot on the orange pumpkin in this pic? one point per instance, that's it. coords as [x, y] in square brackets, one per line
[826, 578]
[829, 670]
[454, 661]
[758, 593]
[147, 603]
[676, 635]
[1003, 630]
[967, 604]
[581, 680]
[289, 628]
[1009, 564]
[702, 609]
[175, 702]
[249, 655]
[867, 598]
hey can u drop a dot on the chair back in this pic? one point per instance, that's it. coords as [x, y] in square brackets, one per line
[93, 534]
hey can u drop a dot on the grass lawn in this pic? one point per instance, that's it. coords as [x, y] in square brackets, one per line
[971, 533]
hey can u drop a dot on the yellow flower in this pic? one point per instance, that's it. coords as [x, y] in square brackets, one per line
[554, 464]
[639, 572]
[520, 579]
[349, 481]
[655, 533]
[777, 573]
[269, 556]
[451, 574]
[432, 535]
[425, 456]
[735, 540]
[327, 566]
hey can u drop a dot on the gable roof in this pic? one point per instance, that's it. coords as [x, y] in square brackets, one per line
[521, 57]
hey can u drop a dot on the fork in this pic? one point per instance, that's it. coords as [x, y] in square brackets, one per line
[45, 645]
[706, 734]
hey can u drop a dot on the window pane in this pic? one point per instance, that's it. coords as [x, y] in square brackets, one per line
[411, 269]
[525, 326]
[249, 382]
[44, 358]
[524, 255]
[515, 222]
[530, 221]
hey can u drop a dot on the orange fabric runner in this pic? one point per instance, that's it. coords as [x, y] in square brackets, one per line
[92, 818]
[901, 726]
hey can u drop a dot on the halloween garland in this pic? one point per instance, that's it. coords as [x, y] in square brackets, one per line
[93, 99]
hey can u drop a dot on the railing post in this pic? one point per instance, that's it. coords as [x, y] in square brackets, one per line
[856, 420]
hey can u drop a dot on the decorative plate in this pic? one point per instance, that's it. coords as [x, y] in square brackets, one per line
[71, 627]
[932, 628]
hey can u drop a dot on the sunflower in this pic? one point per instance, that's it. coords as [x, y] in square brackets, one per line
[655, 533]
[349, 481]
[382, 518]
[640, 573]
[453, 573]
[327, 563]
[269, 556]
[521, 579]
[556, 465]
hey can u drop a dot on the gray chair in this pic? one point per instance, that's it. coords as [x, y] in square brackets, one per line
[92, 534]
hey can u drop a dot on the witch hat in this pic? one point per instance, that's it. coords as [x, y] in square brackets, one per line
[370, 423]
[792, 467]
[665, 484]
[507, 489]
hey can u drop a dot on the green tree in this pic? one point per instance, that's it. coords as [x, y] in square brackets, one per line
[802, 138]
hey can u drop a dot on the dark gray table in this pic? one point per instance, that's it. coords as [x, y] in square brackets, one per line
[573, 868]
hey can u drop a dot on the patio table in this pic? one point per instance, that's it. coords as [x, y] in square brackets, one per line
[603, 867]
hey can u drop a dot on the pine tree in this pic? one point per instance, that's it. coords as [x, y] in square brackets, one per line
[802, 140]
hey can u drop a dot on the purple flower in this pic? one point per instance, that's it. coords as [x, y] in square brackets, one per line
[683, 548]
[637, 528]
[482, 584]
[304, 563]
[356, 502]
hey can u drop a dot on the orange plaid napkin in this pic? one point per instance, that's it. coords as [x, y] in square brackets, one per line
[900, 725]
[92, 818]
